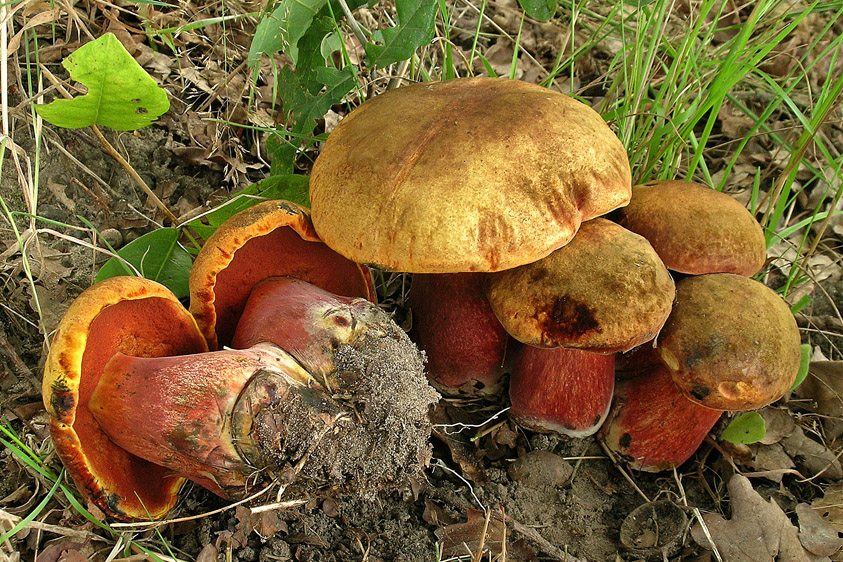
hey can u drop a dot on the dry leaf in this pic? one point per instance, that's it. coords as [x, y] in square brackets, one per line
[464, 539]
[758, 531]
[817, 535]
[830, 506]
[811, 457]
[824, 386]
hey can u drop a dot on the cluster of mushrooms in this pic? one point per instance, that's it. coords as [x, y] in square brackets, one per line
[491, 193]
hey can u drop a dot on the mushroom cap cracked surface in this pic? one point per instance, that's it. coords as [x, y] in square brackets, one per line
[695, 229]
[730, 342]
[474, 174]
[270, 239]
[127, 315]
[606, 291]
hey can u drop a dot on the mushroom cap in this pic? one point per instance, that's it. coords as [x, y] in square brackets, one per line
[127, 315]
[252, 246]
[695, 229]
[730, 342]
[472, 174]
[606, 291]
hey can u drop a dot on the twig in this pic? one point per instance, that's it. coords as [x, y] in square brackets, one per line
[57, 529]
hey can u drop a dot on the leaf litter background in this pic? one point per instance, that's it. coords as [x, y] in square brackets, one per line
[566, 499]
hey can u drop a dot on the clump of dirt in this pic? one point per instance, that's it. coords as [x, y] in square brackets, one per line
[378, 434]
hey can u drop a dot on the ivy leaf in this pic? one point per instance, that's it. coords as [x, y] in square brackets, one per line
[121, 95]
[414, 29]
[541, 10]
[282, 29]
[157, 255]
[747, 428]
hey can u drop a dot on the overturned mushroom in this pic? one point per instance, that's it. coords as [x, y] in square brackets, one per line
[138, 404]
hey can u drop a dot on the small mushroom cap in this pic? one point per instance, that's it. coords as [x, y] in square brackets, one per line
[273, 238]
[695, 229]
[730, 342]
[473, 174]
[127, 315]
[606, 291]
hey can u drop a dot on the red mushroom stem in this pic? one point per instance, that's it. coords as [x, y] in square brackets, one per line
[307, 322]
[453, 323]
[652, 424]
[204, 416]
[561, 390]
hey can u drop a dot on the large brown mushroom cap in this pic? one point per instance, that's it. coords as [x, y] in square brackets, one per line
[730, 342]
[606, 291]
[127, 315]
[479, 174]
[271, 239]
[695, 229]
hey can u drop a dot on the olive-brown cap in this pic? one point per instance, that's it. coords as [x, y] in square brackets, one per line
[473, 174]
[730, 342]
[127, 315]
[606, 291]
[695, 229]
[270, 239]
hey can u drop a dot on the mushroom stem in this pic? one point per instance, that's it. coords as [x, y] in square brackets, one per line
[306, 321]
[652, 425]
[561, 390]
[205, 416]
[466, 345]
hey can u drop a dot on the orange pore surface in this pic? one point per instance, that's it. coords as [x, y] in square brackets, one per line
[150, 327]
[281, 252]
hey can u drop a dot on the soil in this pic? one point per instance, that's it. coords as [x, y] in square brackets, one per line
[569, 506]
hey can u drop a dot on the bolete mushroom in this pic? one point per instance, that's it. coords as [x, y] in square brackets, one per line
[270, 239]
[138, 403]
[458, 177]
[696, 229]
[604, 292]
[730, 343]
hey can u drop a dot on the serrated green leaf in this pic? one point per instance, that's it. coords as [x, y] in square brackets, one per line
[541, 10]
[414, 29]
[157, 255]
[337, 84]
[804, 363]
[747, 428]
[281, 30]
[121, 95]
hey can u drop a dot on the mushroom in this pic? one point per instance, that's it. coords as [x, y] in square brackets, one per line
[695, 229]
[273, 238]
[604, 292]
[455, 177]
[729, 344]
[139, 404]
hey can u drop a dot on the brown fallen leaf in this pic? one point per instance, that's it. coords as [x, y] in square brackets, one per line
[816, 534]
[466, 539]
[759, 531]
[830, 506]
[812, 458]
[824, 387]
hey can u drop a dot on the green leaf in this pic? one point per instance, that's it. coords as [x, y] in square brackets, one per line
[282, 29]
[414, 29]
[157, 255]
[541, 10]
[290, 187]
[121, 95]
[804, 363]
[747, 428]
[337, 84]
